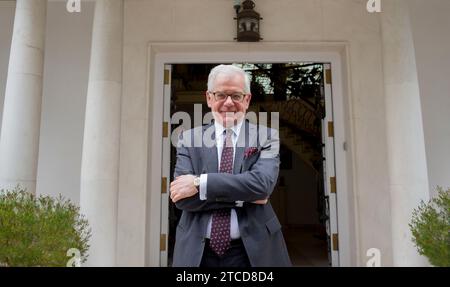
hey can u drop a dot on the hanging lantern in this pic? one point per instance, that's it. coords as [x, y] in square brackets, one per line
[247, 22]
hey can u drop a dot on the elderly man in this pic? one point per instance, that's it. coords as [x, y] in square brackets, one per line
[223, 187]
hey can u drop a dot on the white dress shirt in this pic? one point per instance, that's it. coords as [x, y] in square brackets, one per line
[220, 138]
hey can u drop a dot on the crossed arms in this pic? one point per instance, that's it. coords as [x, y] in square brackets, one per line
[223, 190]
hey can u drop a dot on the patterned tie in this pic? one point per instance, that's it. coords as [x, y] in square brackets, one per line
[220, 226]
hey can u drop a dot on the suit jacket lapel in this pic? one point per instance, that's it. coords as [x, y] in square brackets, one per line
[210, 153]
[246, 138]
[238, 158]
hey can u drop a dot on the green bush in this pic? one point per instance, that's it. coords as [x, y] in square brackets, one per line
[39, 231]
[430, 227]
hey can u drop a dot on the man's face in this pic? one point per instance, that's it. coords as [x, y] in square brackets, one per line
[228, 112]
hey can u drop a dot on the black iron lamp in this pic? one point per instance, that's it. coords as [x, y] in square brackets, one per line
[247, 21]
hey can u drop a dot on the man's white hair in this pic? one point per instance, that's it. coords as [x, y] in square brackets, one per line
[228, 70]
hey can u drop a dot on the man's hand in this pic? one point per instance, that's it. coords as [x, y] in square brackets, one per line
[182, 187]
[260, 201]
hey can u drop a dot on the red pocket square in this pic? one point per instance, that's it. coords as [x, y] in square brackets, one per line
[250, 151]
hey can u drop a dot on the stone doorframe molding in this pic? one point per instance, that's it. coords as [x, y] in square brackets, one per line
[335, 53]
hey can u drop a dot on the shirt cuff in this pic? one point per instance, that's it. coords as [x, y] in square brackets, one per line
[202, 191]
[239, 203]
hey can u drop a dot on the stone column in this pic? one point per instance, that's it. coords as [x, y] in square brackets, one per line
[19, 140]
[100, 160]
[408, 180]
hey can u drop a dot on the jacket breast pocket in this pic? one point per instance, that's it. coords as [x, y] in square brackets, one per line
[250, 161]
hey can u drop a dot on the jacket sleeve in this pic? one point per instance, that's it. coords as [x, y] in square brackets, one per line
[254, 184]
[183, 166]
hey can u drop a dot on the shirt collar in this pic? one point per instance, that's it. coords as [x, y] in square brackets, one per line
[220, 128]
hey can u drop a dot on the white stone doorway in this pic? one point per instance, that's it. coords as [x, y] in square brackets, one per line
[338, 255]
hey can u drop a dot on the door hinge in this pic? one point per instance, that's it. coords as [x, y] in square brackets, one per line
[328, 76]
[165, 131]
[163, 184]
[335, 242]
[331, 129]
[166, 77]
[333, 184]
[162, 242]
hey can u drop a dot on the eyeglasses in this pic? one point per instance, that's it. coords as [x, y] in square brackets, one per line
[222, 96]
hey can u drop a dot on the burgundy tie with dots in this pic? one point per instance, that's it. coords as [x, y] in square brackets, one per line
[220, 226]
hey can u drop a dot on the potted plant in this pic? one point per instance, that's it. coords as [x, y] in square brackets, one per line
[41, 230]
[430, 227]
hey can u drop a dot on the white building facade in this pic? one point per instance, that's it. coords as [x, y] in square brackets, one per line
[82, 111]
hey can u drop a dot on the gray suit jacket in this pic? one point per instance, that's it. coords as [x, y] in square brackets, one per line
[254, 177]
